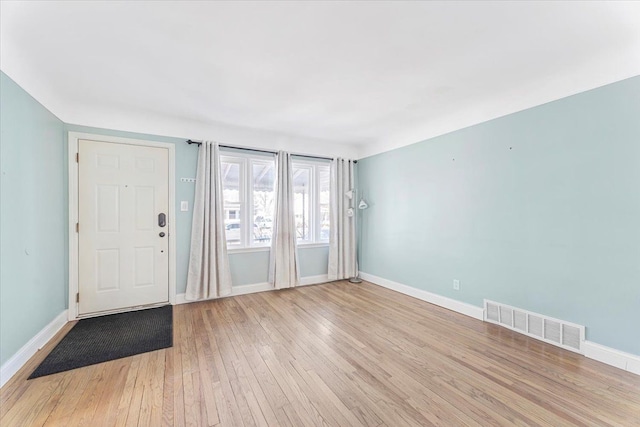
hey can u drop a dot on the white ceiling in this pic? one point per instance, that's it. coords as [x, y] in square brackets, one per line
[347, 78]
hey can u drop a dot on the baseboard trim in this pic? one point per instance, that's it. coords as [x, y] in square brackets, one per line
[314, 280]
[259, 287]
[607, 355]
[448, 303]
[18, 360]
[235, 291]
[611, 356]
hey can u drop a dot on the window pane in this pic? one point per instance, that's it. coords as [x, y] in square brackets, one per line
[231, 181]
[263, 201]
[302, 202]
[323, 201]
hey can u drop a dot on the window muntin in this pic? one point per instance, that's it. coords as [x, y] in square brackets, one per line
[311, 194]
[302, 201]
[263, 200]
[248, 182]
[324, 186]
[232, 171]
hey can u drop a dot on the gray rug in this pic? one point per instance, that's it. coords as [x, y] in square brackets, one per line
[105, 338]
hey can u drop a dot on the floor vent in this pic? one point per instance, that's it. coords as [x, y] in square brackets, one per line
[557, 332]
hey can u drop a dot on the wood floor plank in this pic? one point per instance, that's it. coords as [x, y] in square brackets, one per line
[338, 354]
[405, 382]
[128, 390]
[190, 372]
[32, 413]
[178, 385]
[153, 390]
[168, 404]
[250, 372]
[107, 409]
[208, 375]
[54, 400]
[136, 408]
[14, 389]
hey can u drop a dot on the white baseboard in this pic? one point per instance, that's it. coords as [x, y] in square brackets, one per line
[259, 287]
[23, 355]
[235, 291]
[313, 280]
[448, 303]
[611, 356]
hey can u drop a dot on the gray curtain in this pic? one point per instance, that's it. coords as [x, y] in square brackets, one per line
[283, 267]
[209, 274]
[342, 238]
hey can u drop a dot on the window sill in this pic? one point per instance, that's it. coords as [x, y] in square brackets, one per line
[247, 250]
[313, 245]
[268, 248]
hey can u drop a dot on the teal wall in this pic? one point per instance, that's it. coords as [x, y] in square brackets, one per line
[246, 267]
[33, 221]
[539, 209]
[34, 212]
[253, 267]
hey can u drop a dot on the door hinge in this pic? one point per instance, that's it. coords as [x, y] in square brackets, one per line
[78, 297]
[77, 227]
[77, 157]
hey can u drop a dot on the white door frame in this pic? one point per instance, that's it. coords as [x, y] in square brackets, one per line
[74, 137]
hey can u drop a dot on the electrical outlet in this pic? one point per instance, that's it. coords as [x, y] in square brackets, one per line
[456, 284]
[184, 206]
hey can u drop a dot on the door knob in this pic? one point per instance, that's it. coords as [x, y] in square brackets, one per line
[162, 234]
[162, 220]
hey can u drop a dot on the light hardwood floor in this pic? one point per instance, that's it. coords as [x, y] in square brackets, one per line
[336, 354]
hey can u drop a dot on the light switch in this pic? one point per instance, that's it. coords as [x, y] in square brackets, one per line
[184, 206]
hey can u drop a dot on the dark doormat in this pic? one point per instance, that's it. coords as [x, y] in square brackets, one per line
[105, 338]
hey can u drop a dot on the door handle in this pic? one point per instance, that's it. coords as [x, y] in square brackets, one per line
[161, 234]
[162, 220]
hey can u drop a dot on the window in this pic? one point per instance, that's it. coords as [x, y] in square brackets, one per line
[248, 182]
[248, 192]
[263, 200]
[311, 200]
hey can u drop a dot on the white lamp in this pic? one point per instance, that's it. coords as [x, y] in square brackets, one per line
[361, 206]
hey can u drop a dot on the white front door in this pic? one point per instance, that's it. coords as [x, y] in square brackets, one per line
[123, 194]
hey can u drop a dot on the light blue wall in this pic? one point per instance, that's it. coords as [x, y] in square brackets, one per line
[246, 267]
[33, 221]
[34, 212]
[540, 210]
[253, 267]
[314, 261]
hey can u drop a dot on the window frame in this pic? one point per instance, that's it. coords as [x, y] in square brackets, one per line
[246, 160]
[315, 226]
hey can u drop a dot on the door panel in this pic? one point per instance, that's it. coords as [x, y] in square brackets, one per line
[144, 261]
[144, 208]
[107, 276]
[123, 261]
[108, 209]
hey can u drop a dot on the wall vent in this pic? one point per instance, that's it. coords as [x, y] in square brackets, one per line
[557, 332]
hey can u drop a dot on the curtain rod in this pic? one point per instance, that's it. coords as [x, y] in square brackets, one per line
[264, 151]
